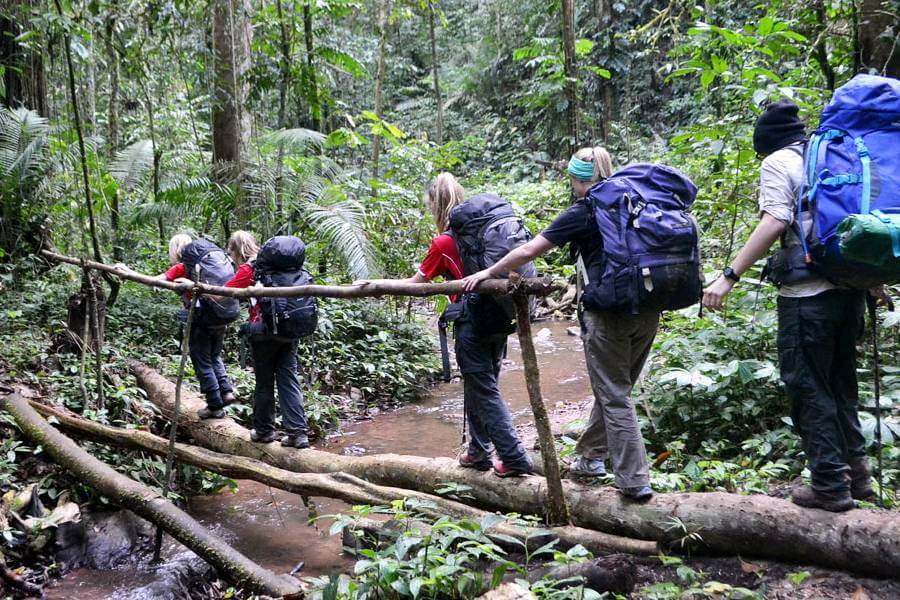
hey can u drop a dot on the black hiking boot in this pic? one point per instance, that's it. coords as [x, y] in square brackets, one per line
[261, 439]
[298, 440]
[826, 500]
[211, 413]
[641, 493]
[228, 398]
[861, 479]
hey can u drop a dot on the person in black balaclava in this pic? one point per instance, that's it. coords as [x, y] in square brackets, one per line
[818, 324]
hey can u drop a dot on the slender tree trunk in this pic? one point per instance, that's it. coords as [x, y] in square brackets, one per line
[86, 181]
[24, 82]
[283, 88]
[821, 49]
[557, 510]
[384, 7]
[232, 34]
[157, 152]
[112, 65]
[879, 29]
[435, 74]
[311, 83]
[571, 72]
[89, 87]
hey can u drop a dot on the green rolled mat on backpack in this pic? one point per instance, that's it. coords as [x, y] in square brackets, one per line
[872, 239]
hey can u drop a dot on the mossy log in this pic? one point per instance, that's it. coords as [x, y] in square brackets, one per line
[862, 541]
[333, 485]
[147, 503]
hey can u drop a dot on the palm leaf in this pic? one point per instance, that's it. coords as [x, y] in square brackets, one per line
[132, 163]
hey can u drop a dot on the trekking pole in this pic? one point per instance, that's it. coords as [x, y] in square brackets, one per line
[870, 302]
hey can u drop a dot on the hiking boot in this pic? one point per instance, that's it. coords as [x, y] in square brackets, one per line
[211, 413]
[861, 479]
[467, 462]
[826, 500]
[501, 470]
[228, 398]
[640, 493]
[262, 439]
[298, 440]
[587, 467]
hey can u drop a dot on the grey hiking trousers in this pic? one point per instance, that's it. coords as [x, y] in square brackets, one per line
[616, 347]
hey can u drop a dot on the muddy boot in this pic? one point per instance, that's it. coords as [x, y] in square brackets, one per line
[830, 500]
[861, 479]
[262, 438]
[211, 413]
[228, 398]
[297, 440]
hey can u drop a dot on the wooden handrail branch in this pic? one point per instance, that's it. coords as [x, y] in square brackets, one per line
[538, 286]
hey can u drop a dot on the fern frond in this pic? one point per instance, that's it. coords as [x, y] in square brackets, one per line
[132, 163]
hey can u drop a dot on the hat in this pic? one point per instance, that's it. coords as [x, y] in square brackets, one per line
[778, 127]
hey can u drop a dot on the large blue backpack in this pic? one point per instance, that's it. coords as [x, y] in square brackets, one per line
[207, 263]
[279, 263]
[651, 256]
[851, 186]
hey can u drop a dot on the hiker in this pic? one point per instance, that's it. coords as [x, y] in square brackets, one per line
[203, 261]
[818, 322]
[479, 348]
[273, 343]
[617, 329]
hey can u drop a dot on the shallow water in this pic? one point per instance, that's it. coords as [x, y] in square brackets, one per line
[271, 526]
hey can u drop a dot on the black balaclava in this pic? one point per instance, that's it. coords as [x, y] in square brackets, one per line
[778, 127]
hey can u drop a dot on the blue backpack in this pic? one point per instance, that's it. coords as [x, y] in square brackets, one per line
[651, 255]
[851, 186]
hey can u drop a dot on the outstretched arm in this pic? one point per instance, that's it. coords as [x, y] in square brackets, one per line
[762, 238]
[518, 257]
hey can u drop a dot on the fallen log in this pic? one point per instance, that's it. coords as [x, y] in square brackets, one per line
[862, 541]
[538, 286]
[146, 503]
[333, 485]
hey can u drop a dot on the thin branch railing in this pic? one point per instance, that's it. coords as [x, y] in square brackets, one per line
[518, 287]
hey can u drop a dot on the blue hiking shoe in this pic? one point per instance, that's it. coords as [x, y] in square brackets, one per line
[587, 467]
[641, 493]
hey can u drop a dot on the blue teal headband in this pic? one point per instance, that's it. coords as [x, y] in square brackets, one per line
[582, 170]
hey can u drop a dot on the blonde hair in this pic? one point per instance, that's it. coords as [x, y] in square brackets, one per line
[242, 246]
[601, 160]
[176, 246]
[443, 194]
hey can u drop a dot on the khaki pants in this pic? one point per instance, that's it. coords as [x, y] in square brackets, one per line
[616, 347]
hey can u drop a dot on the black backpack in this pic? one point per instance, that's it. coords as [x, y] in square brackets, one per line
[486, 228]
[280, 264]
[207, 263]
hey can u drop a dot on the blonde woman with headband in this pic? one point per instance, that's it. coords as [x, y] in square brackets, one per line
[616, 345]
[479, 355]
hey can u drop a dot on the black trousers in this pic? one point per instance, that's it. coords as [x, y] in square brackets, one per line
[275, 364]
[206, 356]
[817, 354]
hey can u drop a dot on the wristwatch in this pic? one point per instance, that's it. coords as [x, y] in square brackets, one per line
[729, 273]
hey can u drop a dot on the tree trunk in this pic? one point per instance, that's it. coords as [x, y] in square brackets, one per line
[384, 7]
[879, 29]
[146, 503]
[283, 88]
[821, 46]
[571, 73]
[557, 511]
[311, 83]
[112, 65]
[332, 485]
[863, 541]
[232, 33]
[24, 81]
[435, 74]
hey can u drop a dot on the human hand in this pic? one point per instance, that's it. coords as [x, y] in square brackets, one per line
[473, 280]
[184, 280]
[879, 293]
[714, 295]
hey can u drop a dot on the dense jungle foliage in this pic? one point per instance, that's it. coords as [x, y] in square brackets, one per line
[123, 123]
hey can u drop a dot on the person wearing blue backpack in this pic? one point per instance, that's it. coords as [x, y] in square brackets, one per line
[640, 208]
[276, 325]
[821, 308]
[202, 261]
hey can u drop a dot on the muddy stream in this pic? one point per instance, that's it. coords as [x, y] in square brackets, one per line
[272, 526]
